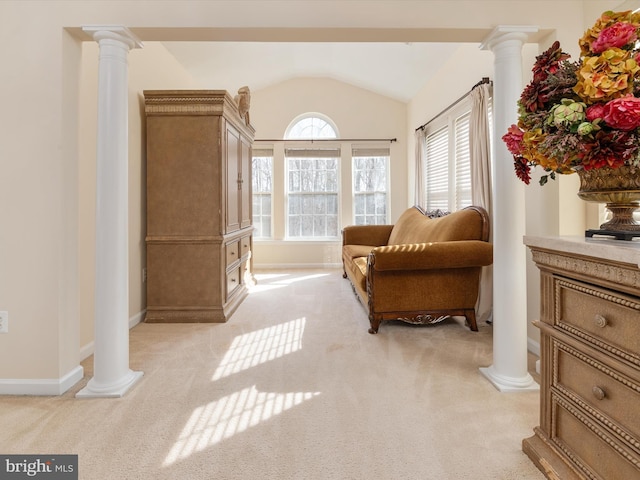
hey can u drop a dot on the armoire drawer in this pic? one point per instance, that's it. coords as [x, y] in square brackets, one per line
[233, 281]
[602, 389]
[590, 448]
[599, 316]
[245, 246]
[233, 249]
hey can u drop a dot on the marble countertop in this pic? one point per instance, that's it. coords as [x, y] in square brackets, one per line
[598, 247]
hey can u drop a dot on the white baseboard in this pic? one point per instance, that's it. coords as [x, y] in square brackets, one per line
[87, 350]
[41, 386]
[136, 319]
[293, 266]
[54, 386]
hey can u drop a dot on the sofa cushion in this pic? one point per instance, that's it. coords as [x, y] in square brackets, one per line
[350, 252]
[465, 224]
[414, 227]
[356, 270]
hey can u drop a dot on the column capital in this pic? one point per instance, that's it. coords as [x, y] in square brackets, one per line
[503, 33]
[114, 32]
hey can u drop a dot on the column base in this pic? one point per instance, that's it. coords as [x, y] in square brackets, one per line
[110, 391]
[509, 384]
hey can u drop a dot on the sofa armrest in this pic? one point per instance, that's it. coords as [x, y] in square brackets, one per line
[366, 234]
[430, 256]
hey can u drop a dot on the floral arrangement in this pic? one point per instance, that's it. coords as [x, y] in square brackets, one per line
[585, 114]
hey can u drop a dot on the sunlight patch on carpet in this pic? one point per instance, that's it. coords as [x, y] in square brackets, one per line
[230, 415]
[270, 281]
[261, 346]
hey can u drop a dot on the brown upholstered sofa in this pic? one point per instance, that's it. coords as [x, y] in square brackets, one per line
[420, 270]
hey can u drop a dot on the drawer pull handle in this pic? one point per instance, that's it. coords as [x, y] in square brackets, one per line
[600, 321]
[598, 392]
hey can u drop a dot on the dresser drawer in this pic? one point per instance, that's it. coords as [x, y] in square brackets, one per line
[603, 390]
[232, 249]
[599, 316]
[588, 447]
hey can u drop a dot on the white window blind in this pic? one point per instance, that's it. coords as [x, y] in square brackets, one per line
[437, 169]
[448, 159]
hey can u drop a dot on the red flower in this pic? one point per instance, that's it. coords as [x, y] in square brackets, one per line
[595, 111]
[623, 113]
[513, 140]
[617, 35]
[609, 149]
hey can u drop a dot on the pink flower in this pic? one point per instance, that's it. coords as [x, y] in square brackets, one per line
[617, 35]
[595, 111]
[623, 113]
[513, 140]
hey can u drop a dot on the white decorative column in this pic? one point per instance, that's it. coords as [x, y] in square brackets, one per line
[509, 370]
[112, 376]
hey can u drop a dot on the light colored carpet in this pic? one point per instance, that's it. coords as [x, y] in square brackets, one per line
[292, 387]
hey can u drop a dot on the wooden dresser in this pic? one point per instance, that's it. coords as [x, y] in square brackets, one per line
[199, 224]
[590, 359]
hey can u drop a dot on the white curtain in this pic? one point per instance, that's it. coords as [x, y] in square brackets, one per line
[480, 149]
[419, 193]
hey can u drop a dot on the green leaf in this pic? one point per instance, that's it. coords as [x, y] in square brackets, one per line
[544, 179]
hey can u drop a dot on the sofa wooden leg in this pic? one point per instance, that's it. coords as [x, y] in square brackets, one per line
[470, 315]
[375, 324]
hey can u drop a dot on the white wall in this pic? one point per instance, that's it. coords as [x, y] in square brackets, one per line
[38, 221]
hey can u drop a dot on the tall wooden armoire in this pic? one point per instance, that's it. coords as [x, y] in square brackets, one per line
[199, 225]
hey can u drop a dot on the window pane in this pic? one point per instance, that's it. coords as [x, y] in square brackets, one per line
[307, 226]
[294, 225]
[262, 186]
[370, 189]
[295, 204]
[317, 197]
[310, 128]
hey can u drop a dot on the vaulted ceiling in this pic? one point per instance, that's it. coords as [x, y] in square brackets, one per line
[395, 69]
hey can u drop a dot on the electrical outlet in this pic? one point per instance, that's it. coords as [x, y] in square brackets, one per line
[4, 322]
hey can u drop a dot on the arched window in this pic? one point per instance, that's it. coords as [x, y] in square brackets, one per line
[312, 179]
[310, 167]
[311, 126]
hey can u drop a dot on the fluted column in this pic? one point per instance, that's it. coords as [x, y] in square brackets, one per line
[509, 370]
[112, 376]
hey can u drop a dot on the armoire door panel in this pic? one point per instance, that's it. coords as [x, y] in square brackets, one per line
[234, 173]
